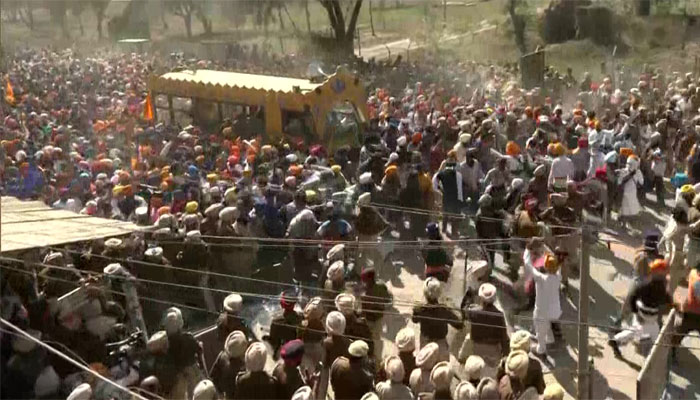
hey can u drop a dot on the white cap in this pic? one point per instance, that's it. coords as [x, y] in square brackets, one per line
[336, 252]
[473, 367]
[441, 375]
[365, 178]
[255, 357]
[401, 141]
[53, 257]
[229, 214]
[236, 344]
[173, 320]
[487, 293]
[364, 200]
[517, 363]
[81, 392]
[358, 348]
[335, 323]
[47, 383]
[204, 390]
[345, 303]
[406, 339]
[113, 243]
[336, 271]
[158, 342]
[394, 369]
[427, 356]
[465, 391]
[303, 393]
[314, 308]
[113, 269]
[154, 252]
[432, 288]
[233, 303]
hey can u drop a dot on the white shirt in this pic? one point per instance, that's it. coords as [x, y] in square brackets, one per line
[547, 303]
[471, 175]
[562, 170]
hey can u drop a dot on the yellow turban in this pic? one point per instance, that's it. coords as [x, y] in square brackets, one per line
[191, 207]
[212, 177]
[685, 189]
[559, 149]
[335, 168]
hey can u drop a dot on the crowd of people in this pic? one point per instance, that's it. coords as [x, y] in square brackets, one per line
[468, 156]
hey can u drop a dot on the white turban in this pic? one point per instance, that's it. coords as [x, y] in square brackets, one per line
[255, 357]
[335, 323]
[173, 320]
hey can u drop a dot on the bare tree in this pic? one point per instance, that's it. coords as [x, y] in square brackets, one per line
[371, 19]
[99, 7]
[25, 10]
[203, 17]
[518, 22]
[185, 9]
[57, 11]
[76, 10]
[308, 15]
[344, 35]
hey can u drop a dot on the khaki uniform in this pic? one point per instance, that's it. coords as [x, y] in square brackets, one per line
[288, 379]
[349, 379]
[255, 385]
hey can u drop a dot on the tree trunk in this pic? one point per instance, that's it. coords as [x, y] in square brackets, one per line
[26, 15]
[518, 27]
[100, 18]
[187, 17]
[371, 19]
[162, 15]
[353, 19]
[80, 24]
[279, 16]
[308, 15]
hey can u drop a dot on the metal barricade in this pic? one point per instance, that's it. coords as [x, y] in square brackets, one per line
[654, 376]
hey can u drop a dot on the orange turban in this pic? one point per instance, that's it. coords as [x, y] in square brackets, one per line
[658, 266]
[551, 264]
[512, 149]
[164, 210]
[416, 138]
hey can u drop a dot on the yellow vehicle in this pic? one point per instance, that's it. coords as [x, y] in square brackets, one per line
[333, 112]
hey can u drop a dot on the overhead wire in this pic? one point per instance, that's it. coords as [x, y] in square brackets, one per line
[194, 308]
[400, 303]
[278, 297]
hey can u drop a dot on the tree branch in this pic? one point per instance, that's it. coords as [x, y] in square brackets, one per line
[353, 18]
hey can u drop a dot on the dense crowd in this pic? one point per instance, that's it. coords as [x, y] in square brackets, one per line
[460, 155]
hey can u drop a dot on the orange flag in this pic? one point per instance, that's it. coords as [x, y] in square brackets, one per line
[148, 109]
[9, 93]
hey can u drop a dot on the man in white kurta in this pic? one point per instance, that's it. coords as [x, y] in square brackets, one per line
[630, 178]
[547, 306]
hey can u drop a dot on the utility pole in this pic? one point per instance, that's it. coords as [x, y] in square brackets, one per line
[584, 370]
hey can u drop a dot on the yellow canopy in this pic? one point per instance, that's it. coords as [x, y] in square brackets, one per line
[204, 77]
